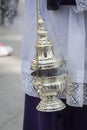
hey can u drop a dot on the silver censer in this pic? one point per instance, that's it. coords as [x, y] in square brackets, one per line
[49, 79]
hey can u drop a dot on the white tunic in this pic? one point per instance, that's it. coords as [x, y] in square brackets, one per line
[67, 30]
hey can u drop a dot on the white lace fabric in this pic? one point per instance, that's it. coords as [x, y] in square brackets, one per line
[81, 5]
[27, 83]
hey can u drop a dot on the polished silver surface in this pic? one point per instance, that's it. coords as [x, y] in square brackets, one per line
[49, 79]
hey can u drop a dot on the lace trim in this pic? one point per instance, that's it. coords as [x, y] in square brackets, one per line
[27, 81]
[75, 95]
[85, 94]
[81, 5]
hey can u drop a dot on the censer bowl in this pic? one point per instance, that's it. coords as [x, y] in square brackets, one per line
[48, 89]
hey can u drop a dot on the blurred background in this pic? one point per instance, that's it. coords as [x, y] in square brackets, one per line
[11, 94]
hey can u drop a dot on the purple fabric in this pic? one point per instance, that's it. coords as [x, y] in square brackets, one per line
[35, 120]
[70, 118]
[55, 4]
[67, 2]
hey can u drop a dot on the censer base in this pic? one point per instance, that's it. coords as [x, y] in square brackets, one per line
[50, 106]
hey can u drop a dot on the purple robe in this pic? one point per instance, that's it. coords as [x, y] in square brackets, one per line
[71, 118]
